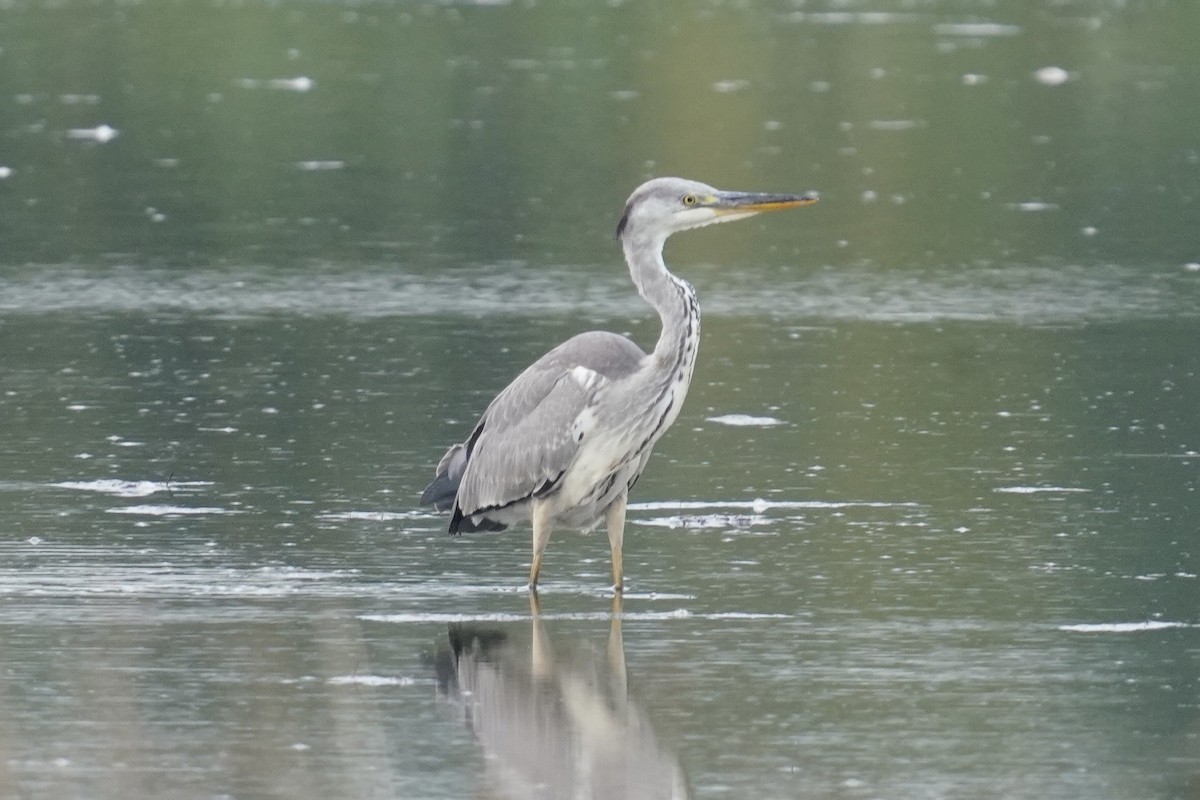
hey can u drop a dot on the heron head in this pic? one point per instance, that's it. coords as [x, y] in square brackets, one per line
[663, 206]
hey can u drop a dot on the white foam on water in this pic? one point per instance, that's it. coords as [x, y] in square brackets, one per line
[976, 29]
[121, 488]
[850, 17]
[696, 521]
[170, 511]
[371, 680]
[1123, 627]
[759, 505]
[373, 516]
[745, 420]
[101, 133]
[1052, 76]
[1034, 205]
[677, 613]
[1040, 490]
[321, 165]
[442, 618]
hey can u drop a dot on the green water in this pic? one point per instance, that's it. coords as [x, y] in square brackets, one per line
[260, 263]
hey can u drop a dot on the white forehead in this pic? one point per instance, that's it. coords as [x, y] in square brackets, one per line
[668, 190]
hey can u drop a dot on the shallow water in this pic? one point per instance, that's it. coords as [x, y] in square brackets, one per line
[945, 569]
[926, 526]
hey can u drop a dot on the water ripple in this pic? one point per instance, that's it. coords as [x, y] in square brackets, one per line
[1015, 293]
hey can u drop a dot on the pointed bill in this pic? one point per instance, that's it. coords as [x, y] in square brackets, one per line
[743, 203]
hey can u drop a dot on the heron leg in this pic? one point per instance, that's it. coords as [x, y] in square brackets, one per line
[614, 515]
[542, 526]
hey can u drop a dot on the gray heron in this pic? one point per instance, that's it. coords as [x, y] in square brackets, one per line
[565, 441]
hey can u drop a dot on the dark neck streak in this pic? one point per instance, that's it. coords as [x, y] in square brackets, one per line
[675, 301]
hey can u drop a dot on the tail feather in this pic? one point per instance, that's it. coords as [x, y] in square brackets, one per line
[441, 492]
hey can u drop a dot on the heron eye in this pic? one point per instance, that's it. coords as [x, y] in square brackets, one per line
[689, 199]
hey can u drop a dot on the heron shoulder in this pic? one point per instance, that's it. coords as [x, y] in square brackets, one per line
[607, 354]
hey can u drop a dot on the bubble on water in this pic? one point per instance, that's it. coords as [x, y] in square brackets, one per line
[974, 79]
[101, 133]
[1052, 76]
[1192, 266]
[976, 29]
[300, 83]
[730, 85]
[5, 173]
[745, 420]
[1034, 205]
[892, 124]
[321, 165]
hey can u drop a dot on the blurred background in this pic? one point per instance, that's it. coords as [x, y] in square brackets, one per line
[926, 526]
[423, 135]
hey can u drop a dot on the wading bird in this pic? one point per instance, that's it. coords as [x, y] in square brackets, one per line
[564, 442]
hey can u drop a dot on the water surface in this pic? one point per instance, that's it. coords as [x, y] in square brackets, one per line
[925, 528]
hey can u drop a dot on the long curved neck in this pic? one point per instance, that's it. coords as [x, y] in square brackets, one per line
[673, 298]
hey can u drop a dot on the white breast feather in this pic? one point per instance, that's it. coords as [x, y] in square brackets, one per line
[583, 424]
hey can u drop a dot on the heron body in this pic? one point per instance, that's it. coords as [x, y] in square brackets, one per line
[565, 441]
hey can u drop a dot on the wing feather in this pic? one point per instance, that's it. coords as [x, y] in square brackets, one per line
[528, 456]
[527, 437]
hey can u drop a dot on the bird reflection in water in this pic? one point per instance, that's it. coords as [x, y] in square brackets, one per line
[552, 726]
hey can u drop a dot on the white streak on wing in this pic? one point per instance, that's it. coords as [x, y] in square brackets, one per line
[587, 378]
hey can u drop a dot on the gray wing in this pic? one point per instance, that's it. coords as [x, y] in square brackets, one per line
[607, 354]
[529, 455]
[525, 440]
